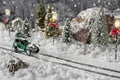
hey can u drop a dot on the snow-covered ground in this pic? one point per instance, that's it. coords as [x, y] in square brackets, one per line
[43, 70]
[105, 54]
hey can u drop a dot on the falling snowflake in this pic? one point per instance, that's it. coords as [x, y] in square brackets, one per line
[32, 15]
[99, 1]
[94, 4]
[34, 5]
[4, 2]
[13, 2]
[109, 3]
[75, 5]
[78, 3]
[29, 4]
[104, 2]
[21, 3]
[72, 0]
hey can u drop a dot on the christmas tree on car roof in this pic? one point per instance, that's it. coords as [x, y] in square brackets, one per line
[25, 32]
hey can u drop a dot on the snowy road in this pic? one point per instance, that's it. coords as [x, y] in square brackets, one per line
[80, 63]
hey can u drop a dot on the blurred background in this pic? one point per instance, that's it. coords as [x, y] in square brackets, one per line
[65, 8]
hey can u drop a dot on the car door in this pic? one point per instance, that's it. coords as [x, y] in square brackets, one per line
[21, 45]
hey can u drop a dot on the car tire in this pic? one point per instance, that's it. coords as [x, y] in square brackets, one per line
[37, 50]
[15, 49]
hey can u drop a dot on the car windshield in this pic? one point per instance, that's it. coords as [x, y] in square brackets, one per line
[17, 40]
[22, 41]
[25, 42]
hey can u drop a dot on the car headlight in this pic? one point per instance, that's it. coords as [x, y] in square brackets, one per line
[33, 46]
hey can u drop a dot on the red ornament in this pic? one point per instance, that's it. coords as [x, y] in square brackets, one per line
[55, 25]
[115, 31]
[51, 24]
[6, 20]
[118, 31]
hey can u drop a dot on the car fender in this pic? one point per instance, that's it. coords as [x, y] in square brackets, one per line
[29, 46]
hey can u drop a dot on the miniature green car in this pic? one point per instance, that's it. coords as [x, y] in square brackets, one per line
[25, 46]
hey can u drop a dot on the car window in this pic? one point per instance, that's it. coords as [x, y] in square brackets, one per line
[17, 40]
[22, 42]
[25, 42]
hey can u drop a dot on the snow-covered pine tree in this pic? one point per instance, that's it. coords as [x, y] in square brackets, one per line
[48, 15]
[26, 28]
[41, 13]
[99, 30]
[67, 33]
[51, 24]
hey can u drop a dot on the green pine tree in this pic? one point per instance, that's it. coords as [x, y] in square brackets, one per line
[99, 31]
[67, 33]
[51, 30]
[26, 28]
[41, 13]
[48, 15]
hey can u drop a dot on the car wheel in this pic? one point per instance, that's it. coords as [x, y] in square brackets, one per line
[15, 49]
[28, 52]
[37, 50]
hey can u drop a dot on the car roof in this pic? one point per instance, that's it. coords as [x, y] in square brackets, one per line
[21, 38]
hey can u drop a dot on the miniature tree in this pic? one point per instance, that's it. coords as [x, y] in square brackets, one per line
[67, 33]
[48, 15]
[51, 29]
[99, 30]
[41, 15]
[26, 28]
